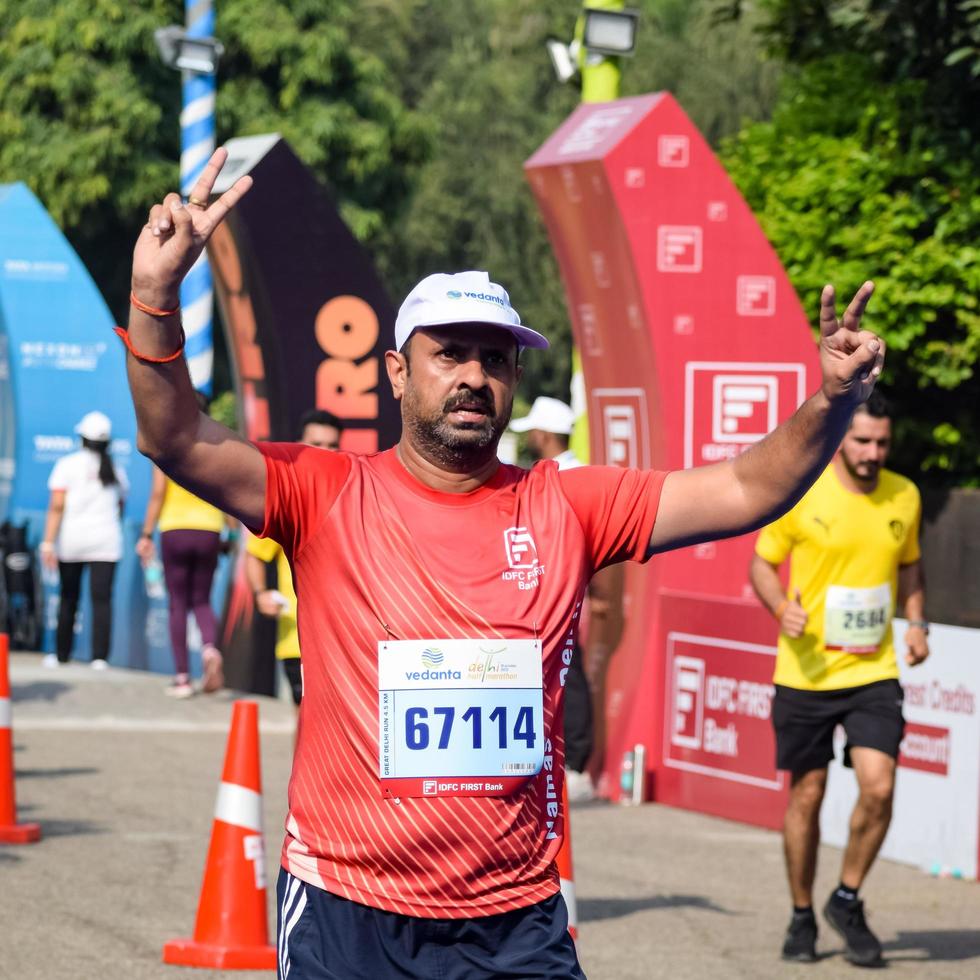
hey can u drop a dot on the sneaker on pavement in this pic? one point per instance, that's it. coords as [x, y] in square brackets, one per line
[847, 920]
[579, 784]
[800, 944]
[214, 673]
[51, 661]
[99, 664]
[181, 689]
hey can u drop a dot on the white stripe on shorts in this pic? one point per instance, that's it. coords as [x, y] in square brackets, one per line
[293, 907]
[289, 893]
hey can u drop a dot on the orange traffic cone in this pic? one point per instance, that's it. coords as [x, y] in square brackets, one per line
[565, 870]
[11, 832]
[231, 931]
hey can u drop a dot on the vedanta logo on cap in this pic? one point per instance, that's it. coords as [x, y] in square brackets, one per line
[464, 299]
[488, 298]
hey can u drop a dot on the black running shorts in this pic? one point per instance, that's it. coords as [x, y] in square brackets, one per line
[805, 723]
[294, 674]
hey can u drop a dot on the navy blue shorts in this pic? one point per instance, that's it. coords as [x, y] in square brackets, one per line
[326, 937]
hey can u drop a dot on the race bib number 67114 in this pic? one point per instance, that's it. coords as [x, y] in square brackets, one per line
[459, 717]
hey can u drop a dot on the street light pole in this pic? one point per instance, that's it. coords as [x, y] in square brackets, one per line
[601, 75]
[197, 141]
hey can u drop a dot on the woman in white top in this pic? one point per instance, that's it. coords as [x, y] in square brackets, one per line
[84, 527]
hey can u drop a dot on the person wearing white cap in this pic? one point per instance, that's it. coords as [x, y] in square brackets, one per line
[548, 427]
[84, 530]
[439, 593]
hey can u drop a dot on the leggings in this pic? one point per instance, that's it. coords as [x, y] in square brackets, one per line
[189, 561]
[100, 585]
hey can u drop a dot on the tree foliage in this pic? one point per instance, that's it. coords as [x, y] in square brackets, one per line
[418, 115]
[89, 114]
[860, 174]
[482, 74]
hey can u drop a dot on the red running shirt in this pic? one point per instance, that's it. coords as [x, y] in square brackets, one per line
[374, 554]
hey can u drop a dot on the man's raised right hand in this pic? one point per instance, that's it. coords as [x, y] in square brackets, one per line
[175, 235]
[794, 618]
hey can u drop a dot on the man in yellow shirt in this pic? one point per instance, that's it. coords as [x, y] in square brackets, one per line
[853, 544]
[321, 429]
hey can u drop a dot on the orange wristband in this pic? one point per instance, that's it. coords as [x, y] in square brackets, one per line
[123, 334]
[151, 310]
[781, 608]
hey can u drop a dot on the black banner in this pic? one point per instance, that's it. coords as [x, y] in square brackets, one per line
[307, 322]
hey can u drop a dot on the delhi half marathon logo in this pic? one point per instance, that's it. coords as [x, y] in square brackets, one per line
[432, 658]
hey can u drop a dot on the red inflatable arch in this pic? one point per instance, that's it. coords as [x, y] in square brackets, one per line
[694, 345]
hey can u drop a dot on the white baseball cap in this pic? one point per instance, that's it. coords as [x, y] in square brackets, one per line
[548, 415]
[463, 297]
[95, 426]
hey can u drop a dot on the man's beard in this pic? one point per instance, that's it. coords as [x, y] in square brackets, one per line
[462, 446]
[861, 472]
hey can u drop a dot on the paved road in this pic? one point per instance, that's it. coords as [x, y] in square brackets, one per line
[123, 781]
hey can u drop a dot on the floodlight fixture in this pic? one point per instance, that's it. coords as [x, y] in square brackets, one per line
[195, 54]
[610, 32]
[561, 60]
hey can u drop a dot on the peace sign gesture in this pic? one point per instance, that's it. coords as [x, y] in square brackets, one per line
[851, 359]
[175, 235]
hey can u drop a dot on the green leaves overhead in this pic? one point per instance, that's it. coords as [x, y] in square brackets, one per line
[89, 114]
[849, 189]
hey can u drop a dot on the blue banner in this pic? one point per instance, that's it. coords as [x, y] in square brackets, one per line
[59, 360]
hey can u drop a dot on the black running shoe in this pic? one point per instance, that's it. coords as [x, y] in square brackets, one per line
[847, 920]
[801, 938]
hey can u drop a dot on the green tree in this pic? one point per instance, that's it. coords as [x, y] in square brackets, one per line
[869, 168]
[716, 68]
[418, 115]
[845, 193]
[482, 74]
[89, 115]
[87, 120]
[935, 41]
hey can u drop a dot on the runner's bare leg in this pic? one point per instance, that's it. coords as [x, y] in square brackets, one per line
[801, 833]
[872, 813]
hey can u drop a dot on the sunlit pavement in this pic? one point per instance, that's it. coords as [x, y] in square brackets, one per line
[123, 780]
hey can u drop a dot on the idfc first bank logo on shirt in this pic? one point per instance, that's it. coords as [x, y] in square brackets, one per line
[523, 566]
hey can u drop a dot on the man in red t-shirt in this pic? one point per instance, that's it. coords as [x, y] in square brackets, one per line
[438, 595]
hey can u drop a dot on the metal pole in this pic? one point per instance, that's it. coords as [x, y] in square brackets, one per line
[601, 74]
[600, 83]
[196, 146]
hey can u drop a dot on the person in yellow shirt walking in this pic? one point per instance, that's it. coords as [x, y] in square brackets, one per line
[853, 545]
[190, 541]
[321, 429]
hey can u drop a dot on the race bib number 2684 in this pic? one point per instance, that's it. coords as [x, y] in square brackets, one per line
[459, 717]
